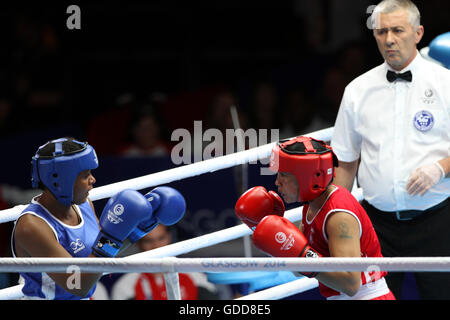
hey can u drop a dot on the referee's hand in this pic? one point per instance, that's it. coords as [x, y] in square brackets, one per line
[423, 178]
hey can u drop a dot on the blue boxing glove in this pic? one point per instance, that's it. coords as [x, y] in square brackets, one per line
[122, 213]
[150, 222]
[169, 207]
[172, 205]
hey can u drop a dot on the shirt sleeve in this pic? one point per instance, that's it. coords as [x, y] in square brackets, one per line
[346, 141]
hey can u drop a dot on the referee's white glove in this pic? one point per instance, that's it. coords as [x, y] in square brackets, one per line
[423, 178]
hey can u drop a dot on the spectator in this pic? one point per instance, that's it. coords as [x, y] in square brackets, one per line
[146, 137]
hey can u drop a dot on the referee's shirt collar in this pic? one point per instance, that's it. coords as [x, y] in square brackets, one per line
[413, 66]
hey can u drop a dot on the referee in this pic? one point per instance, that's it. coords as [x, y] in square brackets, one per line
[393, 131]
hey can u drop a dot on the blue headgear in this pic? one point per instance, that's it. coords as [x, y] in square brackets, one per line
[59, 171]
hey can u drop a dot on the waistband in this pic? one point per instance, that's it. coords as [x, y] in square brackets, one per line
[406, 215]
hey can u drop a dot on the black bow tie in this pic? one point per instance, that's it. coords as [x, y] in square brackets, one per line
[392, 76]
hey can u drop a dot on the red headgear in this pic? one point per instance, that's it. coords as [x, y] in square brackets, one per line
[311, 161]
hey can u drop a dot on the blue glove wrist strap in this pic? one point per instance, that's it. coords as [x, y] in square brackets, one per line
[106, 246]
[139, 232]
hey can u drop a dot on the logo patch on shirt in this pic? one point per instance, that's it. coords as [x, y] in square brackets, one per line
[423, 120]
[429, 97]
[77, 246]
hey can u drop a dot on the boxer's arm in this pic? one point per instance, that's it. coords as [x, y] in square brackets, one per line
[34, 238]
[343, 241]
[345, 174]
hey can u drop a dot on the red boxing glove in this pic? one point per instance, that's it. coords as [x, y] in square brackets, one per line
[256, 203]
[279, 237]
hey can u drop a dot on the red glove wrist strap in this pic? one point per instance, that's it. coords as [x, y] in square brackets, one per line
[309, 252]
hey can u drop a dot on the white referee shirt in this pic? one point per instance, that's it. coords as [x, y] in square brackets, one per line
[395, 128]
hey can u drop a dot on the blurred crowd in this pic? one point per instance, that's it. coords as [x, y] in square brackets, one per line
[287, 73]
[49, 77]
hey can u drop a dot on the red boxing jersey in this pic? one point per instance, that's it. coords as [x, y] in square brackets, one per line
[341, 200]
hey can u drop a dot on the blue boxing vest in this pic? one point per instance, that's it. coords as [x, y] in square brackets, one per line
[77, 240]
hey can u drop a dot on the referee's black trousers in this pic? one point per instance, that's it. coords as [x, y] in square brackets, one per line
[427, 235]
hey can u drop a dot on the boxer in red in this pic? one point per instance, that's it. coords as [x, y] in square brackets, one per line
[333, 224]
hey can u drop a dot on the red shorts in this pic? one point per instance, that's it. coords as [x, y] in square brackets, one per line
[389, 296]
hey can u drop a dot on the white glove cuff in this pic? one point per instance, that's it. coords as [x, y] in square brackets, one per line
[442, 170]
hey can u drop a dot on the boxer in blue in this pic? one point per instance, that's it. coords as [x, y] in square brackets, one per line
[61, 221]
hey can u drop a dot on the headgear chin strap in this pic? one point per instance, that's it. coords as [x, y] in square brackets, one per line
[59, 171]
[311, 161]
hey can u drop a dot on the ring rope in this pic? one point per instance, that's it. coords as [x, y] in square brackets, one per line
[283, 290]
[186, 265]
[208, 240]
[177, 248]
